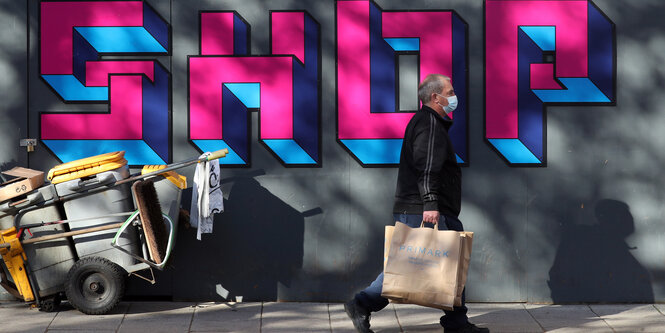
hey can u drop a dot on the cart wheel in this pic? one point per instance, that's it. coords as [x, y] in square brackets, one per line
[95, 285]
[50, 304]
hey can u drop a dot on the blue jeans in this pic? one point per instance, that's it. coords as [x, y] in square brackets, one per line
[371, 298]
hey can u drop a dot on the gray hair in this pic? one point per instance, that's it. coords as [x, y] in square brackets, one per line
[432, 84]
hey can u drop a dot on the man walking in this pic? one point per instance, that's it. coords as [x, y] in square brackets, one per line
[429, 189]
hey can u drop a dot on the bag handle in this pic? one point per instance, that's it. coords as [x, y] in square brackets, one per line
[422, 224]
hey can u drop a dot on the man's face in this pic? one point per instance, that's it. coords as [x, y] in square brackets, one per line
[442, 97]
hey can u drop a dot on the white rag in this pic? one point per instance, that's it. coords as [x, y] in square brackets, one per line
[207, 196]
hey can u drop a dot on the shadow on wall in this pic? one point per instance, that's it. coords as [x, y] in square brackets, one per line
[4, 295]
[4, 166]
[257, 242]
[593, 262]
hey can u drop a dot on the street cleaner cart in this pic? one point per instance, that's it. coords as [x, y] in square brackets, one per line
[86, 231]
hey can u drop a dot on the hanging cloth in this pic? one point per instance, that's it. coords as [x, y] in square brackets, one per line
[207, 196]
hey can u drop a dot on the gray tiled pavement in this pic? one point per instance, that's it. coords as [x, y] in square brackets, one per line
[154, 317]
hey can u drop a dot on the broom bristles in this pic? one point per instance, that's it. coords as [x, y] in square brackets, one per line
[150, 211]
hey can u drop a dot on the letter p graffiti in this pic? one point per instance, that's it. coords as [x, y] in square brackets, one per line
[541, 53]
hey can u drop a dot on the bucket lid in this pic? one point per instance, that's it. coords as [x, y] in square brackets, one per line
[86, 167]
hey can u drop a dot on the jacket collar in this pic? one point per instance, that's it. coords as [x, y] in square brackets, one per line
[446, 121]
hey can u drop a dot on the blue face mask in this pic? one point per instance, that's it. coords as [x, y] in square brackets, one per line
[452, 104]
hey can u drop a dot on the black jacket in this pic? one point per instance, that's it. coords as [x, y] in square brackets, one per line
[429, 177]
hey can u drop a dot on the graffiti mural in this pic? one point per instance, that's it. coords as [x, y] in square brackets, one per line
[369, 40]
[537, 53]
[73, 38]
[542, 53]
[226, 83]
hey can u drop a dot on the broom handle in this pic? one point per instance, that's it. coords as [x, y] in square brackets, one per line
[67, 234]
[213, 156]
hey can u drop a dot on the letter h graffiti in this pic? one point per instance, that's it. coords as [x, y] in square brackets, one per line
[542, 53]
[369, 40]
[74, 35]
[225, 83]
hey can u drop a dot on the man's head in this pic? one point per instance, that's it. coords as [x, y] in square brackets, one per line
[436, 91]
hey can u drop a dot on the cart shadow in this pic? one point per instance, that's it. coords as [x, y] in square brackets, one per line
[65, 306]
[260, 242]
[256, 246]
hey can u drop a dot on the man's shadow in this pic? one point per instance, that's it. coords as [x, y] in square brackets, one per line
[593, 262]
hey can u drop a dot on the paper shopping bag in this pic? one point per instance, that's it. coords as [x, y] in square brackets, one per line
[465, 257]
[422, 266]
[386, 245]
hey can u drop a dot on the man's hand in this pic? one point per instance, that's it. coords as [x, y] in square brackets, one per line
[431, 216]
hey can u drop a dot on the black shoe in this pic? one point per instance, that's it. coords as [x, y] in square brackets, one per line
[359, 315]
[468, 328]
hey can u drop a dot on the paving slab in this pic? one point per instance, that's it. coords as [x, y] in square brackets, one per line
[295, 317]
[158, 317]
[227, 317]
[661, 308]
[385, 321]
[582, 329]
[20, 317]
[70, 319]
[512, 317]
[69, 330]
[339, 321]
[631, 317]
[415, 318]
[568, 318]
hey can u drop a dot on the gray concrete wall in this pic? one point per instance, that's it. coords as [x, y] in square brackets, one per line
[13, 83]
[13, 87]
[585, 228]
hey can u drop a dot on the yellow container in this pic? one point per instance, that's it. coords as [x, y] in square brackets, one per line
[87, 167]
[14, 259]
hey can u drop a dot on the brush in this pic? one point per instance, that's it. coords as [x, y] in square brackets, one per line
[154, 229]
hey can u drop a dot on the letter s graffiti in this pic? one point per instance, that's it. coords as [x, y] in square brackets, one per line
[73, 37]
